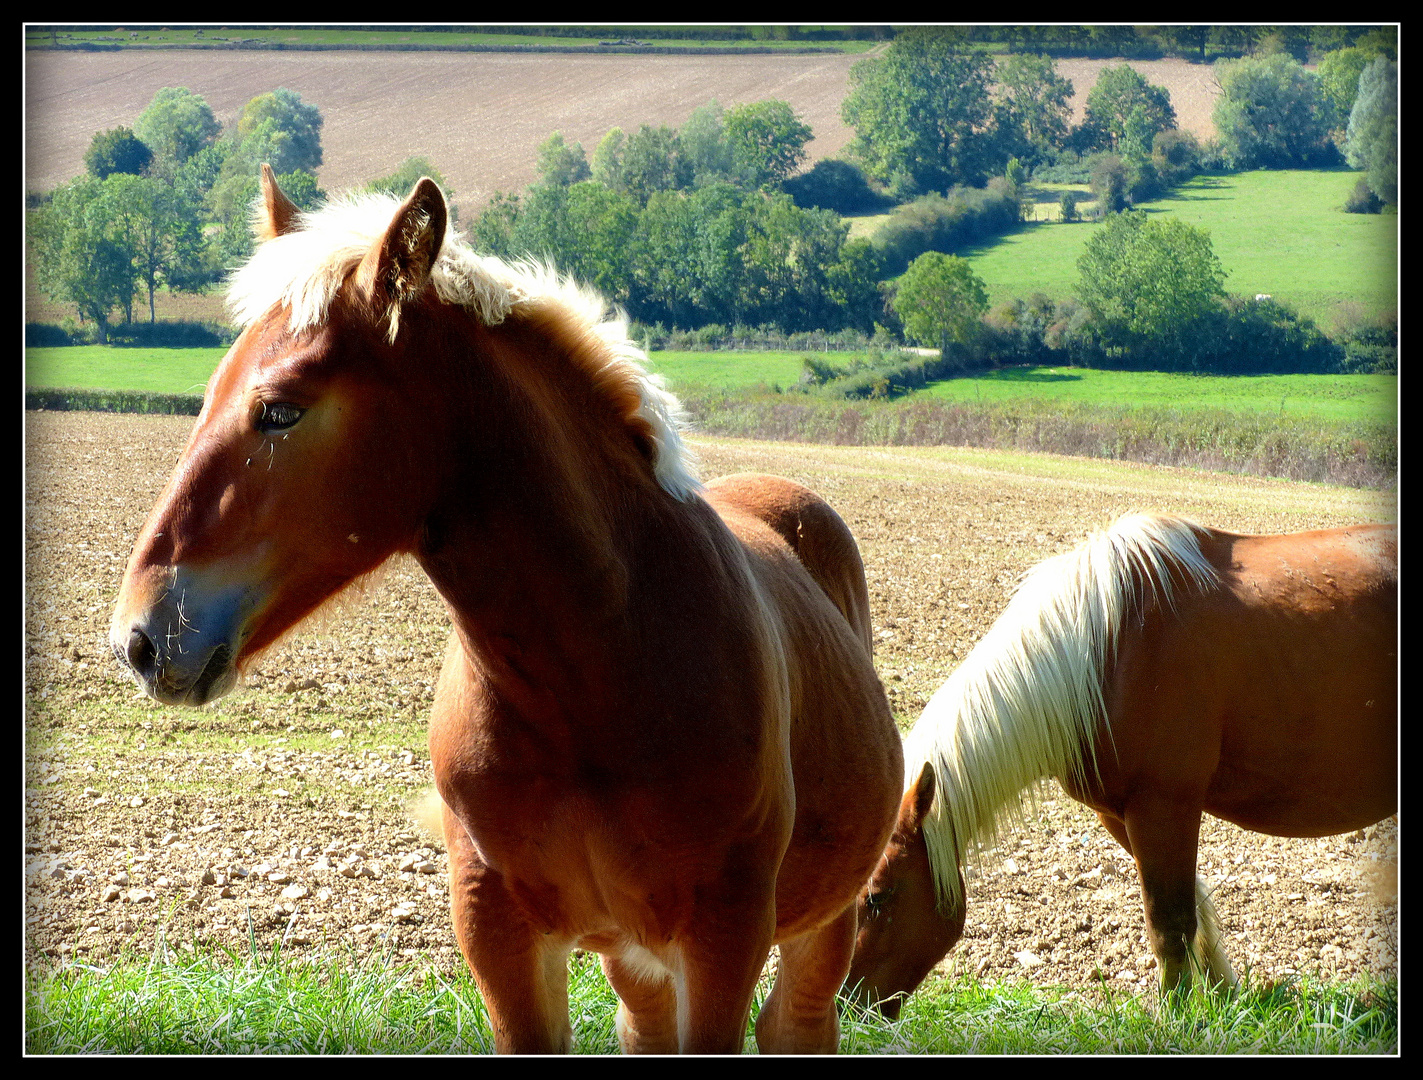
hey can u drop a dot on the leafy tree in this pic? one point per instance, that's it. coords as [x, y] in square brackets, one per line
[160, 230]
[652, 160]
[940, 300]
[117, 150]
[77, 254]
[407, 174]
[1271, 114]
[1123, 106]
[176, 125]
[1068, 206]
[560, 164]
[1035, 106]
[492, 232]
[921, 112]
[1372, 143]
[704, 144]
[1151, 280]
[1110, 180]
[1339, 73]
[607, 163]
[767, 141]
[282, 130]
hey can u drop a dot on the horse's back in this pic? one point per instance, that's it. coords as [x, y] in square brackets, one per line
[845, 751]
[812, 529]
[1282, 682]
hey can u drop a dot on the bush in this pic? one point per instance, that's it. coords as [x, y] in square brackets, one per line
[172, 335]
[1362, 199]
[46, 336]
[938, 223]
[834, 185]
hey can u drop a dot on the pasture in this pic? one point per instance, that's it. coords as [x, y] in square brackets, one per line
[1334, 398]
[290, 795]
[1282, 232]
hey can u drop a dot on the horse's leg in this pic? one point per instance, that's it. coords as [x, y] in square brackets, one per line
[799, 1016]
[1162, 833]
[722, 957]
[1208, 949]
[522, 973]
[647, 1009]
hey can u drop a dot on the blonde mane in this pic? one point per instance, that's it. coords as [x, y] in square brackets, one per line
[304, 270]
[1026, 702]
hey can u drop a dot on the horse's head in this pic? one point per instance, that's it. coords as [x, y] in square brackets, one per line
[307, 467]
[902, 931]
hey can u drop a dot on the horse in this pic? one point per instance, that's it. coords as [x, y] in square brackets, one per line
[657, 734]
[1161, 670]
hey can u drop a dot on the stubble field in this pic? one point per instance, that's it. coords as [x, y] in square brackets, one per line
[279, 814]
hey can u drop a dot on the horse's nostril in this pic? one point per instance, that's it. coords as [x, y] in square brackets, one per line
[141, 653]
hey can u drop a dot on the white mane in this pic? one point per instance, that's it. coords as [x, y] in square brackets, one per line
[304, 270]
[1024, 705]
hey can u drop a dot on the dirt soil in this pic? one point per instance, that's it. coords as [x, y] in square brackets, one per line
[280, 811]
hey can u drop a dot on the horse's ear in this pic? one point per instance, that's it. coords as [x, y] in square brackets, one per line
[919, 798]
[398, 267]
[278, 214]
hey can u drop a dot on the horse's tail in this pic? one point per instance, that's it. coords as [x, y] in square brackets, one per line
[1025, 704]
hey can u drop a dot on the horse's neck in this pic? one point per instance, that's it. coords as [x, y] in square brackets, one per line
[532, 546]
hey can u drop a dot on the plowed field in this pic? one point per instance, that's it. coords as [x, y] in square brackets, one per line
[285, 802]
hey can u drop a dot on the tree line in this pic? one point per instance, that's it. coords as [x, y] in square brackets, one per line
[714, 223]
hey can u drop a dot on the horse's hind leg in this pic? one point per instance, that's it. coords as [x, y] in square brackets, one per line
[522, 974]
[799, 1016]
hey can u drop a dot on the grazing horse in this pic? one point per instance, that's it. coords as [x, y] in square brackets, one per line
[658, 733]
[1160, 670]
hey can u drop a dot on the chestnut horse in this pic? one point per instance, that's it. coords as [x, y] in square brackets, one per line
[658, 733]
[1160, 670]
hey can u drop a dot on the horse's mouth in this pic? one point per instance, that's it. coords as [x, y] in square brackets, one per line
[216, 678]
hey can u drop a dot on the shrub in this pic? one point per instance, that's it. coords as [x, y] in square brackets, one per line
[1362, 199]
[1068, 205]
[834, 185]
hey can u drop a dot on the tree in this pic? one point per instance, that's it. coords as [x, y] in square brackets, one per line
[76, 255]
[117, 150]
[651, 161]
[940, 300]
[703, 139]
[1151, 281]
[922, 111]
[767, 141]
[1372, 142]
[282, 130]
[1271, 114]
[407, 174]
[560, 164]
[176, 125]
[1121, 104]
[160, 230]
[1339, 73]
[1035, 107]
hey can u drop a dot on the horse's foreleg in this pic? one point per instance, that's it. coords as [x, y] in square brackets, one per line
[799, 1016]
[1162, 835]
[522, 973]
[647, 1007]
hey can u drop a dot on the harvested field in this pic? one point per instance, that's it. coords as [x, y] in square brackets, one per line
[285, 801]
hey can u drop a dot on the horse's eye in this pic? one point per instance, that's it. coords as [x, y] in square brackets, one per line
[278, 416]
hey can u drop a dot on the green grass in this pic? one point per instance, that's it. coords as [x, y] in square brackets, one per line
[107, 367]
[1281, 232]
[1344, 398]
[253, 1001]
[353, 36]
[729, 370]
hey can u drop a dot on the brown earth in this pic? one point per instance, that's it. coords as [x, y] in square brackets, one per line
[285, 802]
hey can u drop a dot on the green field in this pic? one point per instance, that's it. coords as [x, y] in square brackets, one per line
[1329, 397]
[107, 367]
[1338, 398]
[1281, 232]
